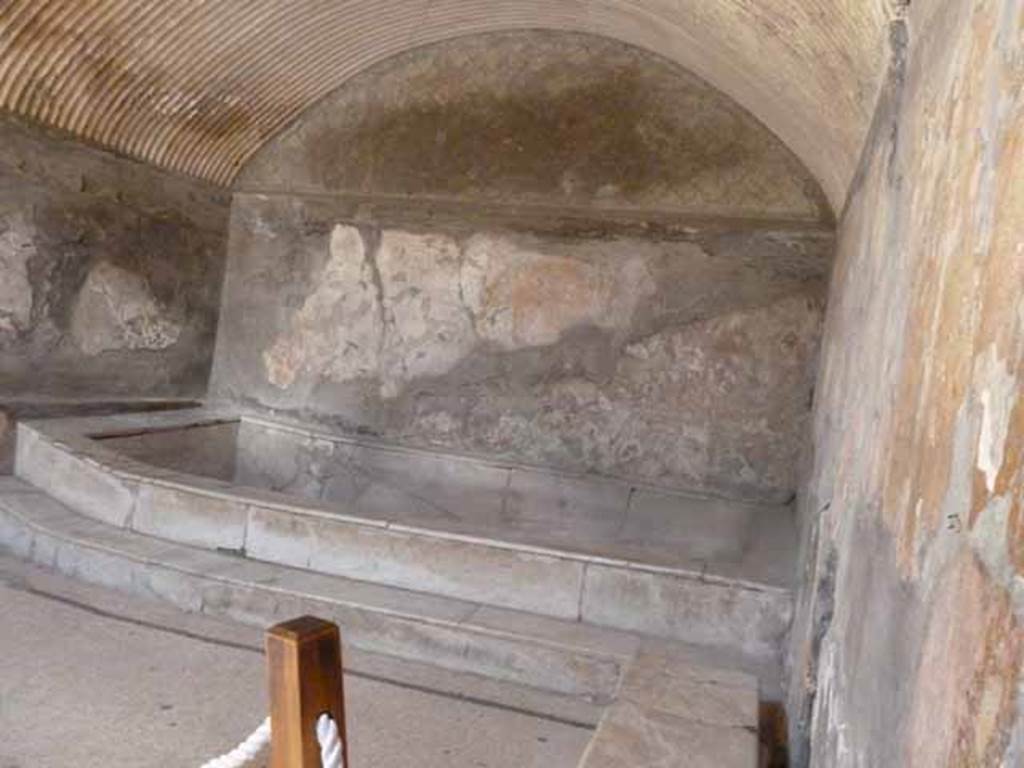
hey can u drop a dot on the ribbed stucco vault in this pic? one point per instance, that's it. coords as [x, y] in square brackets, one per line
[198, 86]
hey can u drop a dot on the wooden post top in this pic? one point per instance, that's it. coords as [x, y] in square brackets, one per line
[303, 629]
[305, 673]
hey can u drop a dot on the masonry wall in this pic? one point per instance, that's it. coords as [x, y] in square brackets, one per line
[908, 644]
[110, 277]
[686, 362]
[546, 247]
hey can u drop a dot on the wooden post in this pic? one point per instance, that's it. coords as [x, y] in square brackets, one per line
[304, 663]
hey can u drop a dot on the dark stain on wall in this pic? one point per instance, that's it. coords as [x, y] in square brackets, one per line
[545, 118]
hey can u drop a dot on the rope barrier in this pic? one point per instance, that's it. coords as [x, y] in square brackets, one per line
[326, 735]
[245, 752]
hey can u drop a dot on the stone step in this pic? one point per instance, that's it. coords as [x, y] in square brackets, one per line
[670, 712]
[564, 657]
[742, 604]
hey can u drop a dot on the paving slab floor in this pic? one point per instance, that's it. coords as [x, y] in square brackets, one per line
[92, 678]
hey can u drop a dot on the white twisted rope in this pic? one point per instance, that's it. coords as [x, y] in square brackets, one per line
[326, 734]
[330, 742]
[245, 752]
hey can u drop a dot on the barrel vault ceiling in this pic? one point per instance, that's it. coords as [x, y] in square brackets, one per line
[197, 86]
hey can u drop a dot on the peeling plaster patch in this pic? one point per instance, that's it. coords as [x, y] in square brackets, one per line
[428, 330]
[997, 399]
[990, 539]
[522, 297]
[17, 247]
[115, 309]
[416, 307]
[393, 314]
[338, 330]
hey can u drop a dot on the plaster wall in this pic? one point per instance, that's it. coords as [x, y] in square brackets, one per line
[547, 247]
[110, 272]
[686, 362]
[908, 644]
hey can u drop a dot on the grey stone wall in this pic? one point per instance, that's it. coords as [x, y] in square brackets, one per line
[110, 273]
[685, 360]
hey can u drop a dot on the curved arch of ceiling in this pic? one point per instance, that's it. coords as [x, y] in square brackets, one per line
[197, 86]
